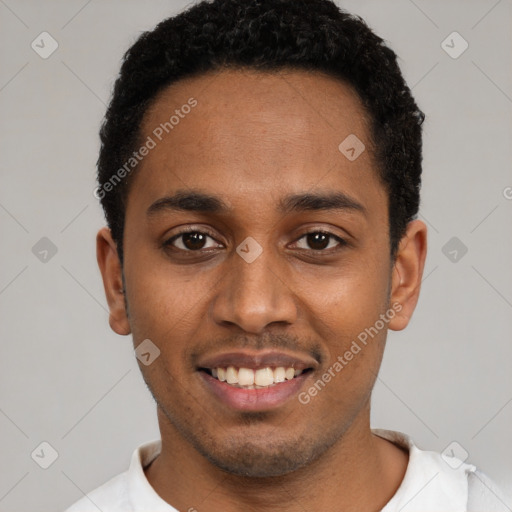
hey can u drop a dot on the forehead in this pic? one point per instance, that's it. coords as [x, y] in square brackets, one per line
[252, 134]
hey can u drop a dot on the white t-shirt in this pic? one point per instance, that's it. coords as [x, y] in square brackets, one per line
[431, 484]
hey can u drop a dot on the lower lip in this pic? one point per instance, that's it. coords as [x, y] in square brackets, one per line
[261, 399]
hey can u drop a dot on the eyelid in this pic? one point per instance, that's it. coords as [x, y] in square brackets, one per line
[342, 242]
[189, 229]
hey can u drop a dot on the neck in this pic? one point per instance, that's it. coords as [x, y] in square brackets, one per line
[339, 480]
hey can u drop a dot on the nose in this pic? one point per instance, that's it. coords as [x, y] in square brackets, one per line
[255, 295]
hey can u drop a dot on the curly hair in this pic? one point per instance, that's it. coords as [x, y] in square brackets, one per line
[267, 35]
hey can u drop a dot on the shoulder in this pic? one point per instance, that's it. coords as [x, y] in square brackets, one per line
[484, 494]
[127, 491]
[440, 482]
[111, 497]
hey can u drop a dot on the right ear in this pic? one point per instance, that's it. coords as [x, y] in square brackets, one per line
[111, 272]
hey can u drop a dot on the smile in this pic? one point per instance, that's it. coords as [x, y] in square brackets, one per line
[248, 378]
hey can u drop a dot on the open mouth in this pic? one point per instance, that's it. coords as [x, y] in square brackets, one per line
[248, 378]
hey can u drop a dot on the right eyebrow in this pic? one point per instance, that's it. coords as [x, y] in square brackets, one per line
[191, 201]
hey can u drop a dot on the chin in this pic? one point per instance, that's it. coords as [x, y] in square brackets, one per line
[264, 458]
[250, 461]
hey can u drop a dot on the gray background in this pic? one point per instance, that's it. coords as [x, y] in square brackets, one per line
[66, 379]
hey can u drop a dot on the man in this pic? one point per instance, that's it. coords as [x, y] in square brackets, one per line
[260, 171]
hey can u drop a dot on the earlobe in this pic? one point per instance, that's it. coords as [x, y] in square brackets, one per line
[111, 272]
[407, 273]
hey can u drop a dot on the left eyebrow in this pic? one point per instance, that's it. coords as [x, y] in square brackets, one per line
[320, 201]
[196, 201]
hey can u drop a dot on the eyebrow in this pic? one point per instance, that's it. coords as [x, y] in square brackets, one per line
[197, 201]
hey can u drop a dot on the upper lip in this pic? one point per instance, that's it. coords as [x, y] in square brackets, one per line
[258, 359]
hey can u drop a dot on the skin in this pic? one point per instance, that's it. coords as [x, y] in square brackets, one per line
[252, 139]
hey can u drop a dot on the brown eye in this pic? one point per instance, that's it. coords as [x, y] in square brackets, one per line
[317, 241]
[320, 240]
[193, 241]
[189, 241]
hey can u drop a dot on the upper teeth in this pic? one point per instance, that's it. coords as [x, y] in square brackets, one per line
[249, 378]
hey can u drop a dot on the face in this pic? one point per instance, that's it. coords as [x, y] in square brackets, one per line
[256, 256]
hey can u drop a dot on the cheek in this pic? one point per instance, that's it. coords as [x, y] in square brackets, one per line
[349, 298]
[344, 309]
[354, 347]
[164, 303]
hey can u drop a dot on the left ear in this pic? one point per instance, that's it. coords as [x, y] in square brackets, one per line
[408, 273]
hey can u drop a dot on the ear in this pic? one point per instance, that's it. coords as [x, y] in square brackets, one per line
[408, 272]
[111, 272]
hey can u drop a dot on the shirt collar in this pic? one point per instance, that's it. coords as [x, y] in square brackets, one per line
[429, 482]
[142, 496]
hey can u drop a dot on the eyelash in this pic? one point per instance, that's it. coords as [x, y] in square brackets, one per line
[341, 242]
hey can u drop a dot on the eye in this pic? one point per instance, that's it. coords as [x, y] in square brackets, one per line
[195, 241]
[190, 241]
[321, 240]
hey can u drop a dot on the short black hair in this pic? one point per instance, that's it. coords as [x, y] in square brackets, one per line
[266, 35]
